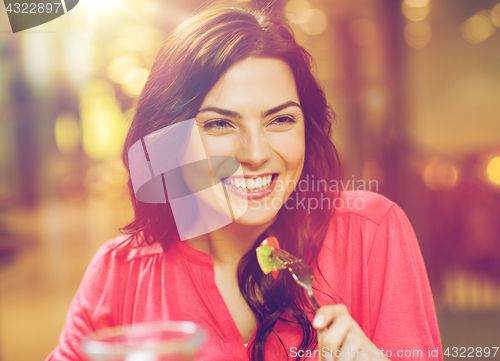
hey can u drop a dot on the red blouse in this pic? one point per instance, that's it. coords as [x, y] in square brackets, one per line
[370, 258]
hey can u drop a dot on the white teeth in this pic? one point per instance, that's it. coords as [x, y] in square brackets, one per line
[251, 184]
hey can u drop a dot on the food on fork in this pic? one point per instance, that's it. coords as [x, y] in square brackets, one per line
[265, 256]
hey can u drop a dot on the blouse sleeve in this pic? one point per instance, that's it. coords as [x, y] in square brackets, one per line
[402, 314]
[91, 298]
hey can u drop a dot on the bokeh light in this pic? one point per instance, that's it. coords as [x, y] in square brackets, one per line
[316, 22]
[117, 48]
[67, 134]
[478, 28]
[440, 175]
[78, 59]
[415, 13]
[103, 122]
[417, 34]
[140, 38]
[134, 81]
[38, 52]
[495, 15]
[493, 170]
[417, 3]
[118, 68]
[362, 31]
[297, 11]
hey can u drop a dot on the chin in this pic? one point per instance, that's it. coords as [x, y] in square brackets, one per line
[256, 217]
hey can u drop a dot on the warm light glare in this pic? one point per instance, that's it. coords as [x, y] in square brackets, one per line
[38, 57]
[414, 13]
[297, 11]
[316, 23]
[417, 34]
[495, 15]
[103, 122]
[440, 175]
[120, 67]
[134, 81]
[417, 3]
[117, 48]
[77, 59]
[140, 38]
[67, 134]
[478, 28]
[493, 170]
[101, 6]
[362, 31]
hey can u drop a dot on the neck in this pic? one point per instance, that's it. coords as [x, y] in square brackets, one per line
[229, 244]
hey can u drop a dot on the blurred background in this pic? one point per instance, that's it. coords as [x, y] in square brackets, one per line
[416, 88]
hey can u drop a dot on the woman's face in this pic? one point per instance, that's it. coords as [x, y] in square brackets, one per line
[253, 114]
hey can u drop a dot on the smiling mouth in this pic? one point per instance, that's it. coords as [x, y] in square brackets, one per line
[250, 185]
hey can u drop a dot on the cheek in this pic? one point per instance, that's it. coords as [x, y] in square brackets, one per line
[224, 145]
[296, 162]
[291, 148]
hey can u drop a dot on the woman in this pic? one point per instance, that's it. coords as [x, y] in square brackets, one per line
[236, 82]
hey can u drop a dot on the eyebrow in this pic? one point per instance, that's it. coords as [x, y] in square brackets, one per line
[232, 114]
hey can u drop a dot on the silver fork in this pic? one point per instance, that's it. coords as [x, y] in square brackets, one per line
[300, 271]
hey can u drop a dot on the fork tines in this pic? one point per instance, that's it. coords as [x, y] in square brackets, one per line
[300, 271]
[290, 260]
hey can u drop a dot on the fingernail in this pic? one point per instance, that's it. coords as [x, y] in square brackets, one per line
[319, 321]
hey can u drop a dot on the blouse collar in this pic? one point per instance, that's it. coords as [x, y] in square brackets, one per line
[192, 254]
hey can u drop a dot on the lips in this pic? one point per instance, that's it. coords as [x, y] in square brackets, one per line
[252, 187]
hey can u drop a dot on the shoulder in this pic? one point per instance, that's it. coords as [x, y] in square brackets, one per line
[367, 221]
[122, 250]
[367, 205]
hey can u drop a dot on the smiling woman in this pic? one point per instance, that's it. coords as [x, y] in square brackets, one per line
[253, 114]
[247, 89]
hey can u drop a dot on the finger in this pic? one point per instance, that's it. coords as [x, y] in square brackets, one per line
[351, 348]
[333, 336]
[327, 314]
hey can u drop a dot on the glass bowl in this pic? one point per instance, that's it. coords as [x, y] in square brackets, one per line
[159, 341]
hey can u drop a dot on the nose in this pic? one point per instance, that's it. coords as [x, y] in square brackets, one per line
[254, 150]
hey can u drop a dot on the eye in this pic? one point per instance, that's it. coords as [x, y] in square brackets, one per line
[217, 125]
[282, 122]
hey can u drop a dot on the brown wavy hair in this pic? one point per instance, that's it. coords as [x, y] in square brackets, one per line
[188, 65]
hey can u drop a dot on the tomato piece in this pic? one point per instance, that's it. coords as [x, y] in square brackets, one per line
[271, 242]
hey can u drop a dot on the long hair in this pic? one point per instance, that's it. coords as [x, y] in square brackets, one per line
[188, 65]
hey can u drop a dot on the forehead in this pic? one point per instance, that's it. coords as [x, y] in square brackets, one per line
[254, 83]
